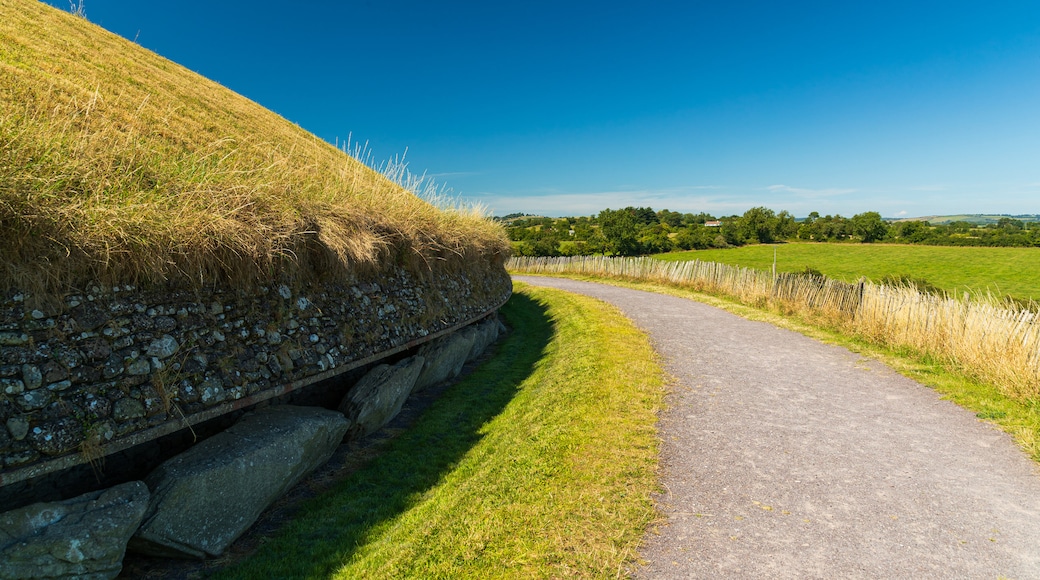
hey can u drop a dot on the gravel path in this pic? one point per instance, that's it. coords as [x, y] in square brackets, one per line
[783, 457]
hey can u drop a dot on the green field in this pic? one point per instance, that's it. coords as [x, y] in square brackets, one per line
[1003, 271]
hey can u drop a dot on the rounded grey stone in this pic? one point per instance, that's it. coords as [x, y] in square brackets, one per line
[127, 409]
[139, 367]
[12, 386]
[208, 496]
[56, 437]
[163, 347]
[60, 385]
[83, 537]
[18, 427]
[13, 339]
[33, 400]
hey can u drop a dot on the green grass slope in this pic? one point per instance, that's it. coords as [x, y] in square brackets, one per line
[119, 165]
[538, 465]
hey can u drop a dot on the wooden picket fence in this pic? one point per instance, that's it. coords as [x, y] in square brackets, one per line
[992, 340]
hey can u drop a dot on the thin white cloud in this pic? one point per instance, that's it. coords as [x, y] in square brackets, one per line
[806, 192]
[901, 213]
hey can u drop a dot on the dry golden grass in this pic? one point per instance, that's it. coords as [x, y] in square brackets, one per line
[118, 165]
[991, 340]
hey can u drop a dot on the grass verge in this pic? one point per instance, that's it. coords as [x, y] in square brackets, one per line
[1020, 419]
[539, 464]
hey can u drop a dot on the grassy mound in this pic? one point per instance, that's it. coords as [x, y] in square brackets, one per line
[118, 165]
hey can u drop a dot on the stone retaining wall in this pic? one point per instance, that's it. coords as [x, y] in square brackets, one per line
[85, 377]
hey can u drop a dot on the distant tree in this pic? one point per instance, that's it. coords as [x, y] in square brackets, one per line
[700, 218]
[621, 232]
[1010, 224]
[786, 226]
[809, 230]
[695, 237]
[643, 215]
[582, 229]
[672, 218]
[869, 226]
[543, 242]
[517, 234]
[912, 231]
[758, 224]
[729, 232]
[596, 243]
[834, 227]
[655, 240]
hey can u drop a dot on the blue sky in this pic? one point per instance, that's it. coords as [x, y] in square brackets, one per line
[566, 108]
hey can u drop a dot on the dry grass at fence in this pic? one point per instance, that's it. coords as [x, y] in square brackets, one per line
[120, 166]
[988, 339]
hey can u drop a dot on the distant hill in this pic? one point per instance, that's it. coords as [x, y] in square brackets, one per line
[978, 218]
[513, 217]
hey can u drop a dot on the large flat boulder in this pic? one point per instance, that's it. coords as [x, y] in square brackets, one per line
[444, 358]
[378, 396]
[484, 335]
[206, 497]
[83, 537]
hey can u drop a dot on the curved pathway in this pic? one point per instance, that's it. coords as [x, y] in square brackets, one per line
[783, 457]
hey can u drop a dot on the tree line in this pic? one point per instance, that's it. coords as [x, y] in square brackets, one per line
[635, 231]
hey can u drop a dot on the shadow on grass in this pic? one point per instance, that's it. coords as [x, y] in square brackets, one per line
[330, 528]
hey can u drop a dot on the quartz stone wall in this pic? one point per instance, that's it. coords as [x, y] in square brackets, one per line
[108, 363]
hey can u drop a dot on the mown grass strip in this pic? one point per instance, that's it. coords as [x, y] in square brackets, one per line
[1020, 419]
[539, 464]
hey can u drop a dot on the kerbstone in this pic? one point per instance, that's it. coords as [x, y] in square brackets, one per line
[484, 335]
[84, 537]
[379, 395]
[205, 498]
[444, 359]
